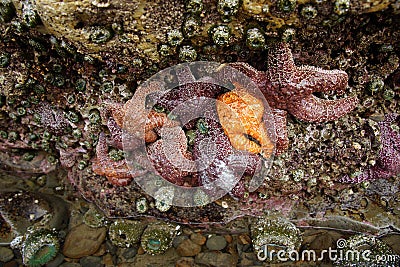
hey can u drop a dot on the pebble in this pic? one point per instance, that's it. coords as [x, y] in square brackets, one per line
[322, 241]
[393, 241]
[91, 261]
[140, 251]
[185, 262]
[129, 252]
[249, 259]
[188, 248]
[216, 259]
[199, 239]
[83, 240]
[228, 238]
[101, 251]
[110, 247]
[178, 239]
[11, 264]
[70, 264]
[56, 261]
[6, 254]
[108, 260]
[167, 259]
[216, 242]
[244, 239]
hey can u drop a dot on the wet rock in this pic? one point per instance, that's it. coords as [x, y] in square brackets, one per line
[188, 248]
[216, 242]
[393, 240]
[101, 251]
[56, 261]
[244, 239]
[108, 260]
[249, 259]
[216, 259]
[129, 253]
[6, 254]
[6, 233]
[91, 261]
[167, 259]
[83, 240]
[185, 262]
[324, 240]
[24, 209]
[110, 247]
[178, 239]
[92, 38]
[12, 264]
[199, 239]
[70, 264]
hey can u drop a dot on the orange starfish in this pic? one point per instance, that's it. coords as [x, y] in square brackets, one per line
[241, 116]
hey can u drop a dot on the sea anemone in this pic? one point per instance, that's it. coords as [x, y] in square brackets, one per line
[39, 247]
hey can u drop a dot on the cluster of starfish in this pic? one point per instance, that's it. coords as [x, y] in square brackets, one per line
[388, 162]
[286, 87]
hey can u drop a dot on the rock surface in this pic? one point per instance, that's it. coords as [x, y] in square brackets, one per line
[83, 241]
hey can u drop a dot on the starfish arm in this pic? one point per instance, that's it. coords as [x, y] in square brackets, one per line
[371, 173]
[117, 112]
[256, 76]
[312, 79]
[161, 163]
[241, 142]
[103, 165]
[281, 67]
[184, 74]
[282, 140]
[135, 109]
[390, 137]
[176, 149]
[117, 172]
[116, 133]
[389, 159]
[314, 109]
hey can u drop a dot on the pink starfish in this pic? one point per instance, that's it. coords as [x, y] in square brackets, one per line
[289, 88]
[388, 161]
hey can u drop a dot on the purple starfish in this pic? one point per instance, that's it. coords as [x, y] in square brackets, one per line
[388, 161]
[289, 89]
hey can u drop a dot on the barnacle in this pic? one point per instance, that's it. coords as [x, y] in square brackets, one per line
[255, 39]
[227, 8]
[187, 53]
[287, 5]
[220, 34]
[100, 34]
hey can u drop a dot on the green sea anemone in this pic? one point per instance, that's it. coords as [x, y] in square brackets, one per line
[158, 237]
[39, 247]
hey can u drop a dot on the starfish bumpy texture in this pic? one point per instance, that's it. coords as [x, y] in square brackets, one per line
[289, 88]
[286, 87]
[388, 162]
